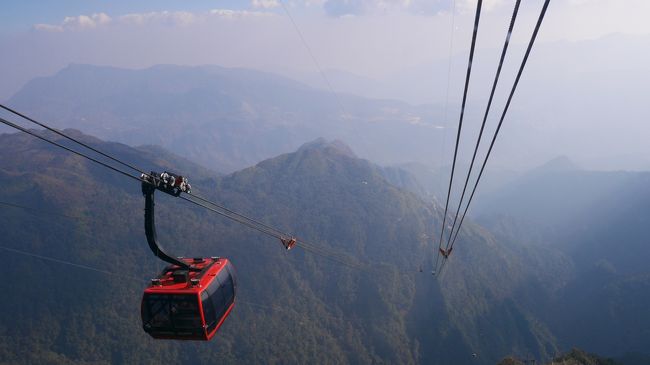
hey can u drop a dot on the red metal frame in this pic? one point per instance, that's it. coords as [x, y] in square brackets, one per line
[209, 269]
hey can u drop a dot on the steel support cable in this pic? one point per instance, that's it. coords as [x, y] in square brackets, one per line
[229, 216]
[37, 211]
[264, 228]
[505, 110]
[69, 263]
[487, 111]
[25, 130]
[232, 217]
[130, 278]
[137, 279]
[345, 260]
[441, 272]
[272, 231]
[334, 256]
[54, 130]
[314, 249]
[460, 122]
[107, 156]
[445, 114]
[249, 222]
[34, 134]
[105, 272]
[342, 262]
[313, 57]
[252, 223]
[270, 228]
[306, 246]
[345, 114]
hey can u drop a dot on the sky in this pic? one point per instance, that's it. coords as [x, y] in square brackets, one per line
[589, 54]
[371, 38]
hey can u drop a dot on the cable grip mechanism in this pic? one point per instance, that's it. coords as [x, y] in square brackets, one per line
[167, 182]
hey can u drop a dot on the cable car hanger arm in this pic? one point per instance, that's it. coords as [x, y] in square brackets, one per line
[169, 184]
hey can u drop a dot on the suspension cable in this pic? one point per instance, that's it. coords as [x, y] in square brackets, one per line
[65, 262]
[111, 158]
[223, 211]
[279, 234]
[460, 121]
[137, 279]
[34, 134]
[36, 211]
[487, 111]
[445, 115]
[262, 227]
[313, 57]
[54, 130]
[267, 229]
[345, 261]
[505, 110]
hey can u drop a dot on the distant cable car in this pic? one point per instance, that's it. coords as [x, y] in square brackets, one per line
[191, 298]
[189, 305]
[446, 253]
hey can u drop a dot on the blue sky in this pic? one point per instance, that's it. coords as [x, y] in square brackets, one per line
[23, 14]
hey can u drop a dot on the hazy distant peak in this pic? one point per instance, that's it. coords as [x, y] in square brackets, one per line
[335, 146]
[79, 135]
[558, 164]
[85, 67]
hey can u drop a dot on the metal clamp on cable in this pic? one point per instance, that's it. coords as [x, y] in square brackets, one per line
[288, 243]
[170, 184]
[167, 182]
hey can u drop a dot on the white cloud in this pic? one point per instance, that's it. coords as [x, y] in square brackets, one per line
[85, 21]
[265, 4]
[339, 8]
[165, 18]
[159, 17]
[234, 14]
[470, 5]
[48, 28]
[76, 22]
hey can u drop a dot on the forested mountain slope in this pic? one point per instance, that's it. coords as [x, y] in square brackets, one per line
[599, 220]
[293, 307]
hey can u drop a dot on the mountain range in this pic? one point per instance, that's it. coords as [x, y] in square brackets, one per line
[226, 118]
[294, 307]
[550, 258]
[597, 219]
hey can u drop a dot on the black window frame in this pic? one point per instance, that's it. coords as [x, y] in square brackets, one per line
[209, 311]
[175, 325]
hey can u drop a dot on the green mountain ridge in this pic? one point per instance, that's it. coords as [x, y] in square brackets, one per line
[294, 307]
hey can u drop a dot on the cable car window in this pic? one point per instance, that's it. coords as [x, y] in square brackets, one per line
[172, 314]
[156, 311]
[227, 287]
[208, 311]
[233, 276]
[212, 290]
[216, 294]
[185, 312]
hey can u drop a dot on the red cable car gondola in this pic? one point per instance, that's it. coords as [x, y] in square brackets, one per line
[189, 305]
[191, 298]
